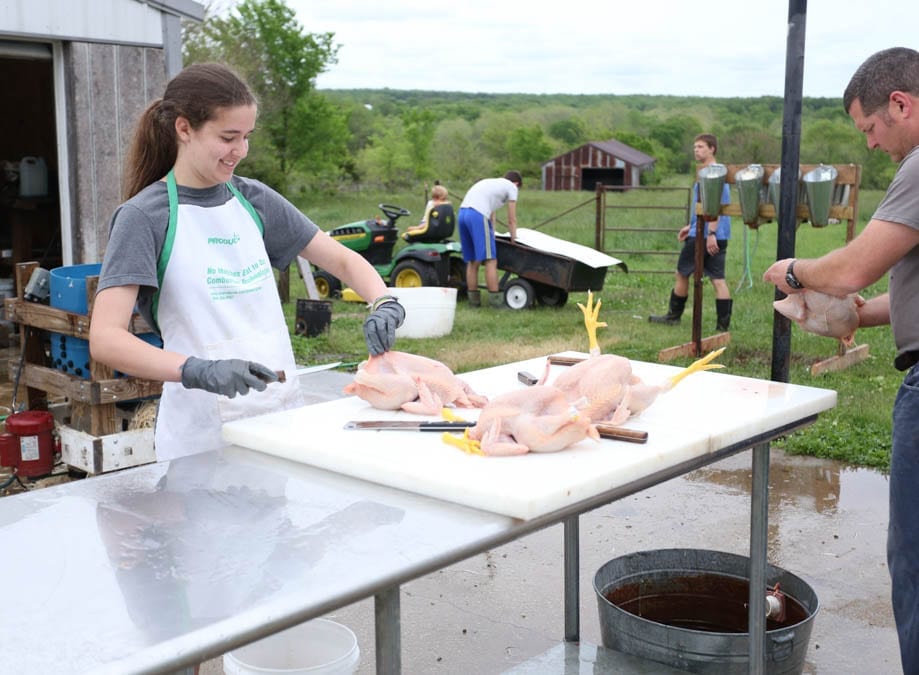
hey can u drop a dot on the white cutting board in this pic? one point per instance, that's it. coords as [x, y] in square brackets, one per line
[704, 413]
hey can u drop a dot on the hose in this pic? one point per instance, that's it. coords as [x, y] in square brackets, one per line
[747, 275]
[9, 481]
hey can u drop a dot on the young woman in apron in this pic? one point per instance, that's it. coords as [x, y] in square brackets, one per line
[192, 249]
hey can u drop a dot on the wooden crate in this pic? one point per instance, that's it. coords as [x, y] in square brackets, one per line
[94, 429]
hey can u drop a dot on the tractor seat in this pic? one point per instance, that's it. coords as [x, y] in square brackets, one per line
[438, 226]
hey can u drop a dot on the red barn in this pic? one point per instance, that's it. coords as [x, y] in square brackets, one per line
[607, 162]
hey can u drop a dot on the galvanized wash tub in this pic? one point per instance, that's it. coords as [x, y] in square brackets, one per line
[687, 608]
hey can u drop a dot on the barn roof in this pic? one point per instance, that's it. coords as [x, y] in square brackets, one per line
[624, 152]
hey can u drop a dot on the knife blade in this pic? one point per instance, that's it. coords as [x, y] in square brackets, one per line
[606, 430]
[282, 376]
[408, 425]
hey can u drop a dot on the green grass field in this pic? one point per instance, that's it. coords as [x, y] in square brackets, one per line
[857, 431]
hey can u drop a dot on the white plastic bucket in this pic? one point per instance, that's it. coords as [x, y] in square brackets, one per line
[317, 647]
[429, 311]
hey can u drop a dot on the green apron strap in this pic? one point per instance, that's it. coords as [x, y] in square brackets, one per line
[248, 207]
[173, 193]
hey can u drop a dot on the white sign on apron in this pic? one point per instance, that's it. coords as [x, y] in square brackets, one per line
[218, 300]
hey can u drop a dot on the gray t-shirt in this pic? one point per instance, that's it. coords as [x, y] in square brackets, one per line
[901, 205]
[138, 231]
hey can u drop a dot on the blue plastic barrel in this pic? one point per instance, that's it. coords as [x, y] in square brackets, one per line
[68, 292]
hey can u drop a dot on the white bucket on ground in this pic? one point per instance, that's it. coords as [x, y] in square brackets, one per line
[316, 647]
[429, 311]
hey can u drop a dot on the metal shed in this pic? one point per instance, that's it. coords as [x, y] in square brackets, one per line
[607, 162]
[75, 74]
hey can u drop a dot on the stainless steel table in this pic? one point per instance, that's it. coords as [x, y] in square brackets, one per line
[162, 566]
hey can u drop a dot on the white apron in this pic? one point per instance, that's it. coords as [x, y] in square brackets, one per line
[217, 300]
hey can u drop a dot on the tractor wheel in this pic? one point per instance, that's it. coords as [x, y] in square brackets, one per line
[457, 277]
[519, 294]
[328, 286]
[413, 274]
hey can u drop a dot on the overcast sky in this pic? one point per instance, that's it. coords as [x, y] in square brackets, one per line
[678, 47]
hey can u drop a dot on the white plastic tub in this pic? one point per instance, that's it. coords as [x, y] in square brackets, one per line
[316, 647]
[429, 311]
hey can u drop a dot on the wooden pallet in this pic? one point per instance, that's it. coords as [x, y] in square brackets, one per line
[94, 425]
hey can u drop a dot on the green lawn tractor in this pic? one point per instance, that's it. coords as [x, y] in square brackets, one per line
[427, 258]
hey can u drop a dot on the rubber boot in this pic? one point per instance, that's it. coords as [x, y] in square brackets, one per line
[723, 308]
[475, 298]
[672, 317]
[496, 299]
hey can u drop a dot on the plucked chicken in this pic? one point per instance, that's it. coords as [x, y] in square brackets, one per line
[399, 380]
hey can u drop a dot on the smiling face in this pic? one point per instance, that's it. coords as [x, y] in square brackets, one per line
[210, 154]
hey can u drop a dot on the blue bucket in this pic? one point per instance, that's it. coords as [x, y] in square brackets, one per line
[68, 292]
[68, 286]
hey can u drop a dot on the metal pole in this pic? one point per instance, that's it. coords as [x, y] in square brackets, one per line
[701, 226]
[388, 624]
[572, 581]
[759, 517]
[788, 194]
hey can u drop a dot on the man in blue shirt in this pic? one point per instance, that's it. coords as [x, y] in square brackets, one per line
[716, 233]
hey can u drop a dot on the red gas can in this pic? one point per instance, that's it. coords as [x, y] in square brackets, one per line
[28, 444]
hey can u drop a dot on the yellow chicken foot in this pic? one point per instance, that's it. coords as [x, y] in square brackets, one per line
[464, 443]
[705, 363]
[591, 323]
[450, 416]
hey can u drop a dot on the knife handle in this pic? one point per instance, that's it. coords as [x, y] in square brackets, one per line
[621, 434]
[527, 378]
[557, 360]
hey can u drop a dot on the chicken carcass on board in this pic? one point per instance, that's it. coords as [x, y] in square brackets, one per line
[612, 392]
[537, 419]
[399, 380]
[822, 314]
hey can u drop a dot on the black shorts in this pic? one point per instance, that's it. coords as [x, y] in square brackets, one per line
[712, 265]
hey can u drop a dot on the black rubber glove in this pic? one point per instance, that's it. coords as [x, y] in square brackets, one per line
[386, 315]
[227, 376]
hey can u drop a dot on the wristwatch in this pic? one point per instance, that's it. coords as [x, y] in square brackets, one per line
[790, 277]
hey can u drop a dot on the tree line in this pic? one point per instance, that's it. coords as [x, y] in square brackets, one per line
[309, 139]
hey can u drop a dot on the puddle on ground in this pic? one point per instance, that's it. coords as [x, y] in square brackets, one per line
[805, 482]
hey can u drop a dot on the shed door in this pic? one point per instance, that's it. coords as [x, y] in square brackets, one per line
[590, 178]
[30, 224]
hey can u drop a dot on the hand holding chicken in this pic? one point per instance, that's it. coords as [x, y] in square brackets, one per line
[823, 314]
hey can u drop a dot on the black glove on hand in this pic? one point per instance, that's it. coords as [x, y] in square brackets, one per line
[227, 376]
[386, 315]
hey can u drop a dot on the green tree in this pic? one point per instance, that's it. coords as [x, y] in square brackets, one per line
[456, 157]
[419, 125]
[387, 159]
[527, 149]
[264, 42]
[319, 138]
[570, 132]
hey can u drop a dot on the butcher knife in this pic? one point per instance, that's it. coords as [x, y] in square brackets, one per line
[606, 430]
[409, 425]
[282, 376]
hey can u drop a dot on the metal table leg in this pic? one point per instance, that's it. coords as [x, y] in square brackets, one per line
[388, 631]
[759, 517]
[572, 580]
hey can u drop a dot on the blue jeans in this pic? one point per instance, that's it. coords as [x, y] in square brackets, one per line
[903, 531]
